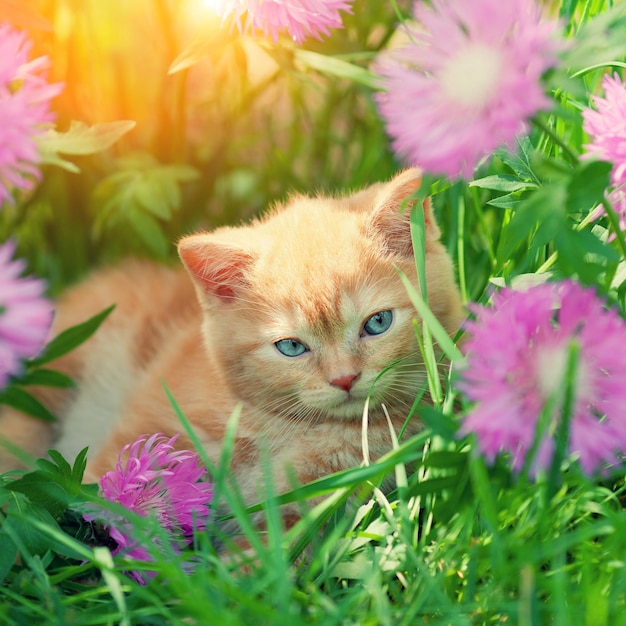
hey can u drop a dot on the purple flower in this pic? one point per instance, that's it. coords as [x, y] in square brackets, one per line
[25, 315]
[517, 356]
[159, 481]
[607, 128]
[300, 18]
[24, 109]
[467, 83]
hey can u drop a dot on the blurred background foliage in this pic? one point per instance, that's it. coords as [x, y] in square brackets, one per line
[226, 125]
[216, 142]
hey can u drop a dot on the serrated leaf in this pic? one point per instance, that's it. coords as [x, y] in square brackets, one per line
[149, 230]
[80, 139]
[80, 464]
[54, 159]
[47, 378]
[541, 215]
[71, 338]
[54, 483]
[41, 488]
[59, 465]
[21, 400]
[37, 529]
[149, 197]
[519, 161]
[503, 182]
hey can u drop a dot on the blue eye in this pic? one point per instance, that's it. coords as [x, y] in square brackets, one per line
[290, 347]
[378, 323]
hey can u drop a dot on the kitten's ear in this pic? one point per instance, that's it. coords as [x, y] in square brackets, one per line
[392, 212]
[218, 268]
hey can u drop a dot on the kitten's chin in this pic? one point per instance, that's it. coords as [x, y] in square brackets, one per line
[347, 410]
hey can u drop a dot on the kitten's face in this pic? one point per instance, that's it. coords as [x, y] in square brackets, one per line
[305, 310]
[301, 355]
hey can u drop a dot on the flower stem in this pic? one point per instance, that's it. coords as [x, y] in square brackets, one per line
[614, 221]
[562, 436]
[567, 151]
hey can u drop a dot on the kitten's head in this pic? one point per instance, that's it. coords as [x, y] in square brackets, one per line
[304, 310]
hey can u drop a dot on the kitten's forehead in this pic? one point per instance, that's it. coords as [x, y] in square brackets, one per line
[317, 262]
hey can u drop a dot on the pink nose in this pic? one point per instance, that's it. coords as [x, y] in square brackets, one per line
[344, 382]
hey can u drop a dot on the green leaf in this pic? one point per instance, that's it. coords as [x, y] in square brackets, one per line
[442, 425]
[23, 401]
[71, 338]
[46, 378]
[8, 554]
[508, 201]
[432, 485]
[538, 217]
[58, 161]
[582, 254]
[446, 459]
[520, 161]
[337, 67]
[149, 196]
[54, 484]
[42, 488]
[20, 511]
[82, 139]
[502, 182]
[80, 464]
[587, 186]
[150, 231]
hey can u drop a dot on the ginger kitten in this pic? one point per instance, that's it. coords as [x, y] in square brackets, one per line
[293, 316]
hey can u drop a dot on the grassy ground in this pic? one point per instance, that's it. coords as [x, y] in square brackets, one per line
[457, 542]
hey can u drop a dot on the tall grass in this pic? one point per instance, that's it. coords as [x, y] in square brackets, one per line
[457, 542]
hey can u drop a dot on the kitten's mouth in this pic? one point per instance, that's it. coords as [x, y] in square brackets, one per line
[352, 406]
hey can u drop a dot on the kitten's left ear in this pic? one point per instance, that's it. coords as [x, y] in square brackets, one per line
[218, 268]
[392, 212]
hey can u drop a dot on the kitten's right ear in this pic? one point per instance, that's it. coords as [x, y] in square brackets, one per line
[218, 268]
[391, 217]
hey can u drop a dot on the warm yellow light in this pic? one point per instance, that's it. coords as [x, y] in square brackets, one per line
[215, 5]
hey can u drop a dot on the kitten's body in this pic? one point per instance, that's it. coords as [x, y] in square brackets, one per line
[315, 271]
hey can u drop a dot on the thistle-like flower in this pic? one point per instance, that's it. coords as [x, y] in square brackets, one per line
[151, 478]
[300, 18]
[24, 111]
[25, 314]
[517, 356]
[606, 126]
[468, 82]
